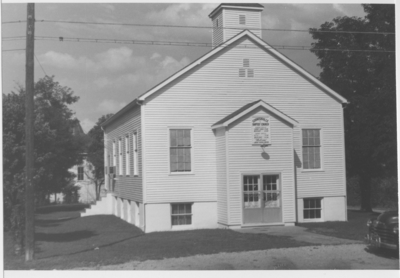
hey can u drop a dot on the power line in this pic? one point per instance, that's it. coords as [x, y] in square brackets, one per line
[189, 44]
[16, 21]
[5, 50]
[204, 27]
[13, 38]
[41, 66]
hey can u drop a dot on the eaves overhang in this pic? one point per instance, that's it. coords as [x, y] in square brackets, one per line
[243, 111]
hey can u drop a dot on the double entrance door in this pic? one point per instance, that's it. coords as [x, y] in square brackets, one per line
[262, 199]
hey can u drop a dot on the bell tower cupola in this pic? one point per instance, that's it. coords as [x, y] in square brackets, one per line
[230, 19]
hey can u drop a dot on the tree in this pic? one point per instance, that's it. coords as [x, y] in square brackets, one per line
[55, 148]
[95, 153]
[367, 79]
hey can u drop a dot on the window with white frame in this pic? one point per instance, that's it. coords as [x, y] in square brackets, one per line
[311, 149]
[114, 150]
[127, 156]
[181, 214]
[135, 154]
[180, 150]
[312, 208]
[120, 157]
[80, 173]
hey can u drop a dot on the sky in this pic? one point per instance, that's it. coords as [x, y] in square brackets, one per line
[107, 76]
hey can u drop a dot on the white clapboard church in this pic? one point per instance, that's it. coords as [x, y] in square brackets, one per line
[241, 137]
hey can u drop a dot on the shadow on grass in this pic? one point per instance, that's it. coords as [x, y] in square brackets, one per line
[97, 247]
[51, 223]
[55, 208]
[383, 253]
[64, 237]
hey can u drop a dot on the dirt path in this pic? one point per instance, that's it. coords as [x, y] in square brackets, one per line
[353, 256]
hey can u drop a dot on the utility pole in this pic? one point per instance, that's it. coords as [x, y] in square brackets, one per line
[29, 116]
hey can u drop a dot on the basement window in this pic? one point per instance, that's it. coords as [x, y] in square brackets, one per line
[312, 208]
[181, 214]
[242, 19]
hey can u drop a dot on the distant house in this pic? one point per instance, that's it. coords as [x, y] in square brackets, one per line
[241, 137]
[83, 177]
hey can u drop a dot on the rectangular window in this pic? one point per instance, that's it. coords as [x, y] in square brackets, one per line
[181, 214]
[80, 173]
[312, 208]
[120, 156]
[135, 154]
[311, 149]
[242, 19]
[127, 157]
[114, 150]
[180, 149]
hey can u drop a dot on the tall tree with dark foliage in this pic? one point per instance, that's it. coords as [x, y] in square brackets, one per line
[95, 154]
[56, 149]
[368, 80]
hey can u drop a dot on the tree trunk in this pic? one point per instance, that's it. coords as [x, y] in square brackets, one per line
[365, 190]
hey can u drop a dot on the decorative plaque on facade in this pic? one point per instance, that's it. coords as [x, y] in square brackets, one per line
[261, 131]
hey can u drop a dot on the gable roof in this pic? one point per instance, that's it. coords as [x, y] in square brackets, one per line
[249, 108]
[265, 46]
[216, 50]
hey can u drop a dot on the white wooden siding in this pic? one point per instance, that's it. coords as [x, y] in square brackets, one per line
[246, 158]
[127, 187]
[231, 20]
[218, 32]
[211, 91]
[221, 176]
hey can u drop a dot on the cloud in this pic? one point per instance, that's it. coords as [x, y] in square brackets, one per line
[110, 106]
[169, 66]
[65, 61]
[114, 59]
[155, 56]
[87, 124]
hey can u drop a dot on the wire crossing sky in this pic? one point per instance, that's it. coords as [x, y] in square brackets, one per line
[109, 54]
[200, 27]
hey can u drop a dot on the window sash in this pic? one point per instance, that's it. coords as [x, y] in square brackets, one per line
[180, 150]
[181, 214]
[312, 208]
[135, 154]
[120, 156]
[127, 156]
[114, 154]
[311, 148]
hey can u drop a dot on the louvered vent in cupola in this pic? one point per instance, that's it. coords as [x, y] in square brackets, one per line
[242, 19]
[246, 63]
[242, 72]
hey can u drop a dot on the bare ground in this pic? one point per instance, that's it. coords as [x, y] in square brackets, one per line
[326, 257]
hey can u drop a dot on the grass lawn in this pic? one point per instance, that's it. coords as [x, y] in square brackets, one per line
[65, 241]
[355, 228]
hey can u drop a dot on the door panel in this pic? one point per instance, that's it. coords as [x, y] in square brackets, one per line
[261, 199]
